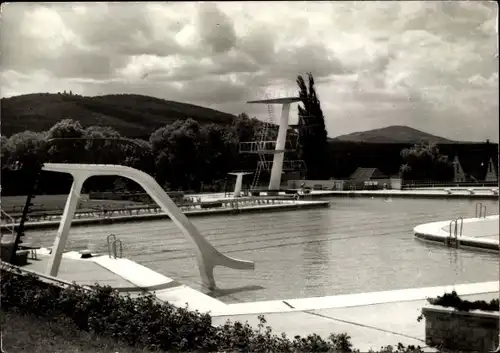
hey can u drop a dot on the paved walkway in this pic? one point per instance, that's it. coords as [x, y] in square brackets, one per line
[370, 326]
[372, 320]
[81, 271]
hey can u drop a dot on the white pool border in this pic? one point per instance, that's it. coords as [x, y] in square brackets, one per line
[435, 232]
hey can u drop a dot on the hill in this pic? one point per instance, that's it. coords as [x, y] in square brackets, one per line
[131, 115]
[391, 134]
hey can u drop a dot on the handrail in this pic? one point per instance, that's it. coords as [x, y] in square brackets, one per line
[117, 241]
[482, 210]
[10, 226]
[461, 224]
[58, 281]
[110, 244]
[455, 233]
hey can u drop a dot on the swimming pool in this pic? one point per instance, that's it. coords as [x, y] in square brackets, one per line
[357, 245]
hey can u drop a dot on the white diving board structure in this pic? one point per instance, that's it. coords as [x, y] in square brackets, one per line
[239, 182]
[207, 256]
[280, 146]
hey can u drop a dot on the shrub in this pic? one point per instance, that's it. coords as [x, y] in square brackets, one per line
[454, 301]
[156, 326]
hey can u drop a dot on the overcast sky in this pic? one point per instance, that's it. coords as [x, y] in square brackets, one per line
[428, 65]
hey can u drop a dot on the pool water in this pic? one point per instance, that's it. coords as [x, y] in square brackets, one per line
[357, 245]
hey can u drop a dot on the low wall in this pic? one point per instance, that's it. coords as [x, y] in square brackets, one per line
[458, 330]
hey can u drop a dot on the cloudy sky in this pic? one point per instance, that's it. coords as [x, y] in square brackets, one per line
[428, 65]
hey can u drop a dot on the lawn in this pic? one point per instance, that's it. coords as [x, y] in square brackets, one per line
[15, 204]
[31, 334]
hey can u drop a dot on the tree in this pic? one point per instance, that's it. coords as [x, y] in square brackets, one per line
[177, 152]
[312, 131]
[103, 145]
[23, 150]
[424, 162]
[244, 128]
[66, 151]
[139, 155]
[218, 153]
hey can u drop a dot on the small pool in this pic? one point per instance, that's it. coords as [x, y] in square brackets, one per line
[357, 245]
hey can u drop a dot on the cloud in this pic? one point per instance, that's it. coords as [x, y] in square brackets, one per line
[429, 65]
[215, 28]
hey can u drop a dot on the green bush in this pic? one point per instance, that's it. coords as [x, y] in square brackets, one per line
[148, 323]
[454, 301]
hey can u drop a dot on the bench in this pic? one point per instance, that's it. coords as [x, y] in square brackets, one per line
[21, 258]
[31, 249]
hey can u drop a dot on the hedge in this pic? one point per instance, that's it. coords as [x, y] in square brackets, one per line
[145, 322]
[452, 300]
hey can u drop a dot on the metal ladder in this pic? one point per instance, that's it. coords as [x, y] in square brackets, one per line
[452, 240]
[256, 176]
[10, 224]
[480, 210]
[112, 246]
[263, 137]
[235, 206]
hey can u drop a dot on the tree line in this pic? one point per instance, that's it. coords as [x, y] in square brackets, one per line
[190, 156]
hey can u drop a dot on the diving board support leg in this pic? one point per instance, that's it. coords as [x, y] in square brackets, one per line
[206, 255]
[277, 168]
[237, 187]
[65, 225]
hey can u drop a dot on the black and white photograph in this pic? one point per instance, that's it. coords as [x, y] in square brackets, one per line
[249, 176]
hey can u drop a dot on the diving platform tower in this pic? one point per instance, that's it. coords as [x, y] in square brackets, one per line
[265, 147]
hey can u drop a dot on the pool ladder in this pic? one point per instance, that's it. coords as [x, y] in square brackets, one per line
[113, 245]
[480, 210]
[235, 206]
[452, 240]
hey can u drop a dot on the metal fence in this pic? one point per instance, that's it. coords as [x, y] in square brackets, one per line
[415, 184]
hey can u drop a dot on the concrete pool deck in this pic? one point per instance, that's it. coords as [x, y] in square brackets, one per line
[125, 276]
[477, 233]
[369, 326]
[451, 192]
[371, 319]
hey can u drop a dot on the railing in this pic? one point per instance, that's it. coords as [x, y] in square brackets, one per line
[11, 222]
[235, 206]
[106, 214]
[288, 165]
[453, 237]
[414, 184]
[112, 246]
[262, 146]
[115, 253]
[480, 210]
[43, 277]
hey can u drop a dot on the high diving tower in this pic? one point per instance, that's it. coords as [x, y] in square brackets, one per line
[265, 147]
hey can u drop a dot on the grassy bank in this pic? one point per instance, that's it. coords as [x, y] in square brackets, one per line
[28, 333]
[15, 204]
